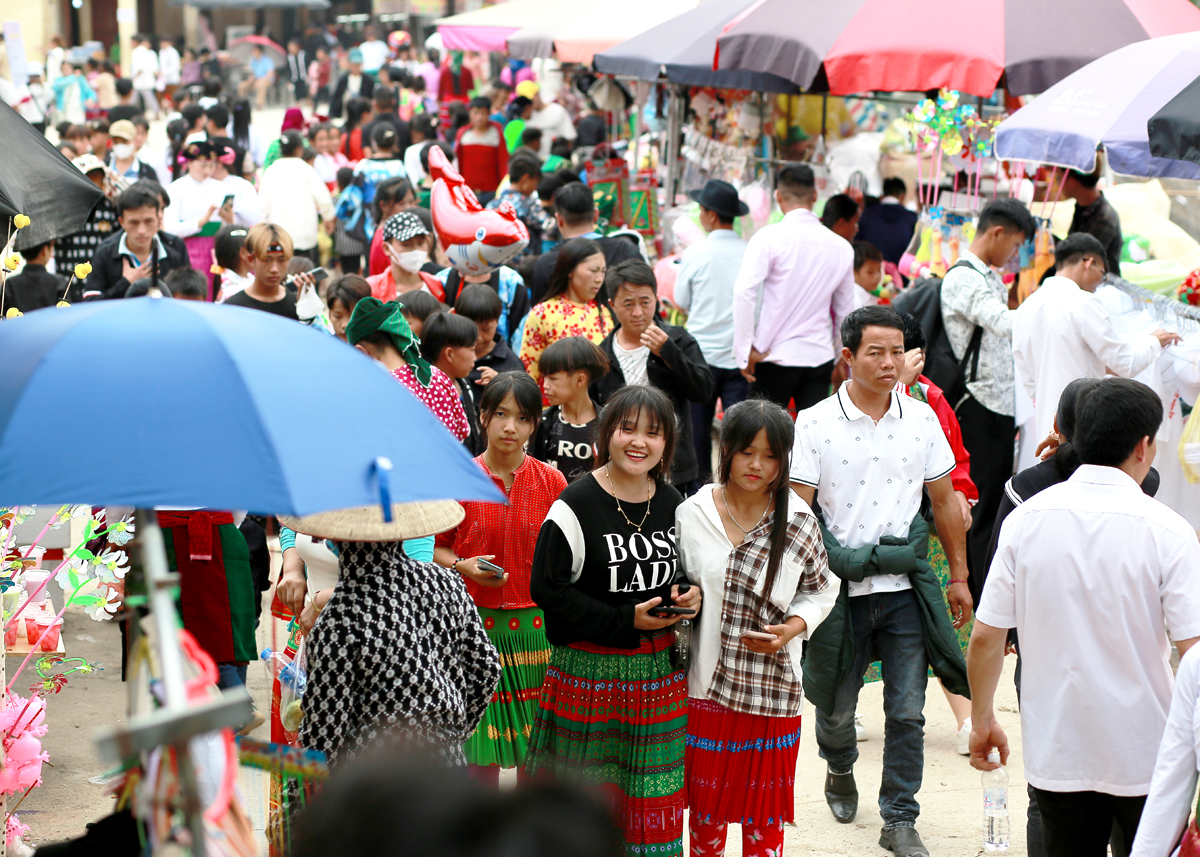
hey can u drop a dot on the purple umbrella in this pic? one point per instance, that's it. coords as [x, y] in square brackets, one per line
[1107, 102]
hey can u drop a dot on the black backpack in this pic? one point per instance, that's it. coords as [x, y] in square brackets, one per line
[923, 301]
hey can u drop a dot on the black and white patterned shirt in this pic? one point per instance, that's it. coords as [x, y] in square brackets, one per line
[81, 246]
[398, 655]
[979, 297]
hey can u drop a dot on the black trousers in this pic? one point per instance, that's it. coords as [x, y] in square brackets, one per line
[990, 438]
[1080, 824]
[730, 387]
[806, 384]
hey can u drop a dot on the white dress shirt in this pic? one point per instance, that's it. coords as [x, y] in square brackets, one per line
[143, 66]
[803, 271]
[869, 476]
[979, 297]
[246, 210]
[1177, 769]
[704, 290]
[292, 195]
[170, 64]
[704, 550]
[1090, 572]
[1061, 333]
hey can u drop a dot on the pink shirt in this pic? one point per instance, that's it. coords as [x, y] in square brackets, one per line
[805, 274]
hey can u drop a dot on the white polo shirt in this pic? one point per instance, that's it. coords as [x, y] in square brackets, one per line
[869, 477]
[1090, 572]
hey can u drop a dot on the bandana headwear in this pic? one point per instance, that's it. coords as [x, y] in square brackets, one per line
[403, 226]
[293, 120]
[372, 315]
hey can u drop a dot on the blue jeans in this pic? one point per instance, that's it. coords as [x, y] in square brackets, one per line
[231, 676]
[731, 388]
[886, 626]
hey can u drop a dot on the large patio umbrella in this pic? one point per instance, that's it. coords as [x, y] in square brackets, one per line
[576, 31]
[852, 46]
[1107, 102]
[241, 49]
[487, 28]
[38, 181]
[681, 51]
[1174, 131]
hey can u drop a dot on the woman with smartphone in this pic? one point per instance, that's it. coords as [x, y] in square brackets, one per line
[493, 550]
[605, 571]
[753, 548]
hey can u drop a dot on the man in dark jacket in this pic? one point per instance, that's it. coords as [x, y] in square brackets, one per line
[644, 351]
[352, 84]
[889, 225]
[575, 211]
[126, 257]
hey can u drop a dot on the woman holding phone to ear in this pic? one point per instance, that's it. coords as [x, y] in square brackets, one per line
[493, 550]
[754, 548]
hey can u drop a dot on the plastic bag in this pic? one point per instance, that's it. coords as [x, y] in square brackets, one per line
[293, 681]
[1189, 448]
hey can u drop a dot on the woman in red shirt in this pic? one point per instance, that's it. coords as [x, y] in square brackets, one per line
[505, 536]
[359, 111]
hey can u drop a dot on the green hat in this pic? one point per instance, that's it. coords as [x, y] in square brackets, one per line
[372, 315]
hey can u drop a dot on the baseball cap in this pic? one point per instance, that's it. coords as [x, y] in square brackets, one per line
[122, 129]
[528, 88]
[355, 55]
[88, 163]
[403, 226]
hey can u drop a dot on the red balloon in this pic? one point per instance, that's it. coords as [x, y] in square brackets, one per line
[476, 240]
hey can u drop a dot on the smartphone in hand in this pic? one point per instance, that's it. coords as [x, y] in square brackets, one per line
[497, 571]
[760, 635]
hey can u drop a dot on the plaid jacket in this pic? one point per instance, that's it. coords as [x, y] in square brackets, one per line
[745, 681]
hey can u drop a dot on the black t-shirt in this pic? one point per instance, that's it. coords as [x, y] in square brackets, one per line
[500, 358]
[475, 442]
[285, 307]
[589, 592]
[616, 250]
[564, 446]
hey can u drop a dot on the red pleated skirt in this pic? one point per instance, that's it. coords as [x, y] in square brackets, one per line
[741, 768]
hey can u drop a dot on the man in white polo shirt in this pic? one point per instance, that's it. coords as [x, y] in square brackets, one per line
[1089, 572]
[871, 452]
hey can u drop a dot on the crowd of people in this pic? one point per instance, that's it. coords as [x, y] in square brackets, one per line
[616, 616]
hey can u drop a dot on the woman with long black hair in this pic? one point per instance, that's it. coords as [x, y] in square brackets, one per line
[754, 548]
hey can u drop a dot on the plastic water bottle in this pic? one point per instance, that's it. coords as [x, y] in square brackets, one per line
[290, 674]
[995, 806]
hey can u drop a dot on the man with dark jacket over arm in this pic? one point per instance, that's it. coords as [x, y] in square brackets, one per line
[644, 350]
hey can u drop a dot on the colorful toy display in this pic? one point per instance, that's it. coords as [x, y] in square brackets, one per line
[476, 240]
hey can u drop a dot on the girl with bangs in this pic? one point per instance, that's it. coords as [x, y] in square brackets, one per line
[614, 706]
[754, 548]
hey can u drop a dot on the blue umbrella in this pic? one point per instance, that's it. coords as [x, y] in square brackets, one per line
[1107, 102]
[160, 402]
[681, 50]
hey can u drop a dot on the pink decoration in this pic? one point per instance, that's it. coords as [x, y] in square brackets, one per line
[14, 830]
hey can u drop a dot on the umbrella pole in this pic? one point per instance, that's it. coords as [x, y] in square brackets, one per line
[159, 583]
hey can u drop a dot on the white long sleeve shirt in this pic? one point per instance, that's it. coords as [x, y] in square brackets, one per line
[292, 195]
[169, 64]
[1177, 769]
[246, 210]
[806, 276]
[190, 199]
[1061, 333]
[704, 290]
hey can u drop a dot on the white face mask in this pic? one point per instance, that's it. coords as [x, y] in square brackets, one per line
[309, 304]
[123, 150]
[411, 260]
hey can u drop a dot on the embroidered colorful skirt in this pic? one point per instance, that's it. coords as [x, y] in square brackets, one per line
[502, 737]
[941, 567]
[200, 256]
[741, 768]
[618, 717]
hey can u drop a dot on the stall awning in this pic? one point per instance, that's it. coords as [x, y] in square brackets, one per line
[576, 32]
[681, 50]
[251, 4]
[487, 29]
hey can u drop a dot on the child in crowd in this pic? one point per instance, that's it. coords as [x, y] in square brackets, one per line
[482, 154]
[506, 536]
[868, 276]
[235, 270]
[324, 139]
[418, 306]
[351, 228]
[448, 342]
[524, 172]
[187, 284]
[481, 305]
[341, 297]
[564, 437]
[34, 287]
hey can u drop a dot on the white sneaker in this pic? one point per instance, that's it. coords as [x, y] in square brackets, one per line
[860, 731]
[962, 741]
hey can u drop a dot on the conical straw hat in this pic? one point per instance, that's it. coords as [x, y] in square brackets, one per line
[366, 524]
